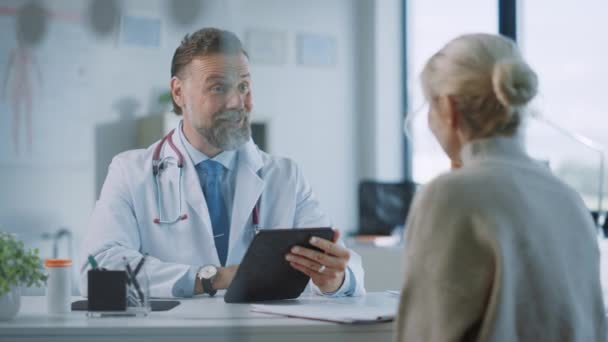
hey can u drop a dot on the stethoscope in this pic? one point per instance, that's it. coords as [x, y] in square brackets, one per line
[158, 165]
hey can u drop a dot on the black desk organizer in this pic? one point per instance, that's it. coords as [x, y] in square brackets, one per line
[107, 290]
[107, 295]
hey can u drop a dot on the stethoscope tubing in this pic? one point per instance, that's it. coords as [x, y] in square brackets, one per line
[158, 165]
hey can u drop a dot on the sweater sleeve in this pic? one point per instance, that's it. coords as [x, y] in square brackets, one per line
[449, 267]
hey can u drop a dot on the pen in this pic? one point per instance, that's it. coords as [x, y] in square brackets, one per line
[126, 271]
[92, 262]
[139, 265]
[135, 282]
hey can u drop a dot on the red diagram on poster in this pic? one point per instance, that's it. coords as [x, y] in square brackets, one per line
[18, 81]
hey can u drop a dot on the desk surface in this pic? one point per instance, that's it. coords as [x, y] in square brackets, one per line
[192, 320]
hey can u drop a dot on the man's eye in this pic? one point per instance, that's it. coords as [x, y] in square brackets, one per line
[243, 88]
[218, 89]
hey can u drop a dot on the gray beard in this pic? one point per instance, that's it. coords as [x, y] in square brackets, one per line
[227, 137]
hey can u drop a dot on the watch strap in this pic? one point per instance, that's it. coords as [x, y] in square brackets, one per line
[208, 286]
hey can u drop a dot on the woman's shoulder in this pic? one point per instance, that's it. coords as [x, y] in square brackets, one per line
[455, 181]
[441, 192]
[458, 189]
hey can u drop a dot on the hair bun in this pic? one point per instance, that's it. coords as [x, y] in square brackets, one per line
[514, 82]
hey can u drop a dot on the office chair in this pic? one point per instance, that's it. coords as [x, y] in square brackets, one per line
[604, 227]
[383, 206]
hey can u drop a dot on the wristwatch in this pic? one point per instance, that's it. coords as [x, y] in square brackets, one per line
[207, 275]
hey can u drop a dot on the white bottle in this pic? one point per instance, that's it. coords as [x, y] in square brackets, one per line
[58, 285]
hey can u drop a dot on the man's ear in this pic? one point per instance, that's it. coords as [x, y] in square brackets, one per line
[452, 111]
[177, 91]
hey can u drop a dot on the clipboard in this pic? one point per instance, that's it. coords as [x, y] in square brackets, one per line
[264, 274]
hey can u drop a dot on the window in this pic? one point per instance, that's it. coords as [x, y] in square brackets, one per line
[568, 50]
[431, 24]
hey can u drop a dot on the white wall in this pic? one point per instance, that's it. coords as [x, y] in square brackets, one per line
[86, 79]
[380, 104]
[388, 91]
[339, 123]
[311, 110]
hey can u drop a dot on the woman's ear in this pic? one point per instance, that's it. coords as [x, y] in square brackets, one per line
[452, 112]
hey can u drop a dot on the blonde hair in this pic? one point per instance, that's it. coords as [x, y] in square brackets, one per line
[488, 80]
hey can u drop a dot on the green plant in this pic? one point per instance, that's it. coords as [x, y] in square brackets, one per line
[17, 265]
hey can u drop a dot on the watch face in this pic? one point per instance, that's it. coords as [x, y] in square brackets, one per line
[208, 272]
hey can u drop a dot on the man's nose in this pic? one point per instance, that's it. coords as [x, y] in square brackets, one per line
[235, 100]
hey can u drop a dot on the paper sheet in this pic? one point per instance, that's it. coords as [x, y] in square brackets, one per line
[378, 307]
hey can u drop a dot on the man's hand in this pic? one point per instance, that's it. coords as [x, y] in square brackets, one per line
[222, 280]
[327, 269]
[224, 277]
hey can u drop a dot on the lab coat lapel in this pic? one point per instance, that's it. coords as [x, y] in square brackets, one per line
[168, 182]
[247, 191]
[192, 192]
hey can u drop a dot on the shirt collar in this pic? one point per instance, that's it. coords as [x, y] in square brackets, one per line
[498, 146]
[226, 158]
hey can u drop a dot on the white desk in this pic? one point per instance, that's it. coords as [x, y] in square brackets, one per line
[196, 319]
[383, 266]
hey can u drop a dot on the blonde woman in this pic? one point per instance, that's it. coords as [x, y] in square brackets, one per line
[498, 249]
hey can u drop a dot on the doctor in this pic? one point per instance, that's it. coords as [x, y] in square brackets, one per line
[196, 221]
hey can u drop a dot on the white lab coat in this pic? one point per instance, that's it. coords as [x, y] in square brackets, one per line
[122, 221]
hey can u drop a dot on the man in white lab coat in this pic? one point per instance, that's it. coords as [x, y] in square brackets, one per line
[196, 222]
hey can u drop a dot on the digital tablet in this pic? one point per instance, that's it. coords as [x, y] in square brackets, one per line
[264, 274]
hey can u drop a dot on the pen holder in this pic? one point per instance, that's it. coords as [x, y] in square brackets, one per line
[138, 294]
[115, 293]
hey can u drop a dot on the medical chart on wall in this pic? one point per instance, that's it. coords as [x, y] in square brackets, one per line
[38, 117]
[66, 68]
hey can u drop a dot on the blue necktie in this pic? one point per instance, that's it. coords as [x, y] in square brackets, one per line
[210, 178]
